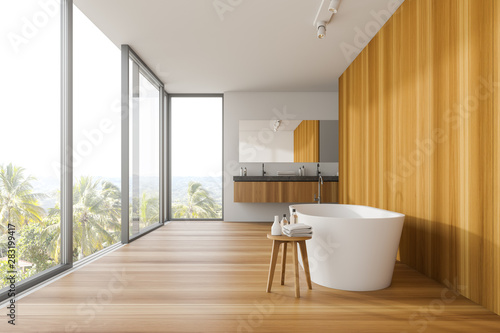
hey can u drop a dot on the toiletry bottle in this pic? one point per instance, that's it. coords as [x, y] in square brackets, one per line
[303, 171]
[276, 228]
[284, 221]
[245, 171]
[300, 171]
[241, 171]
[294, 218]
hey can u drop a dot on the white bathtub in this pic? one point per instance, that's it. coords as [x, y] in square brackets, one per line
[353, 247]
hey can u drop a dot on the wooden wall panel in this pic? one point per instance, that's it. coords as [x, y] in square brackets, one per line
[387, 55]
[342, 133]
[480, 145]
[423, 133]
[306, 142]
[419, 113]
[496, 153]
[445, 62]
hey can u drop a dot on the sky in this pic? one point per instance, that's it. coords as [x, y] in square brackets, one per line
[196, 136]
[30, 112]
[30, 108]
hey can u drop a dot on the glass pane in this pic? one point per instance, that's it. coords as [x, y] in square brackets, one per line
[196, 157]
[96, 134]
[29, 137]
[144, 153]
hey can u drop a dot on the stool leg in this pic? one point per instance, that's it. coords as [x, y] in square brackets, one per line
[305, 260]
[283, 263]
[296, 269]
[272, 265]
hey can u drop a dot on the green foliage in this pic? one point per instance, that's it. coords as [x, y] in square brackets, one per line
[96, 218]
[150, 209]
[32, 247]
[200, 204]
[96, 221]
[144, 212]
[18, 203]
[19, 206]
[21, 275]
[96, 215]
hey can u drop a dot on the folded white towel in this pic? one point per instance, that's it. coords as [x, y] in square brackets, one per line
[297, 230]
[297, 227]
[309, 234]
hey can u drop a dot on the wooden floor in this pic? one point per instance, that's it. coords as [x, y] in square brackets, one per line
[211, 277]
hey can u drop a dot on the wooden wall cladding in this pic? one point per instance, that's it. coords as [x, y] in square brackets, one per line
[284, 192]
[419, 134]
[496, 152]
[306, 142]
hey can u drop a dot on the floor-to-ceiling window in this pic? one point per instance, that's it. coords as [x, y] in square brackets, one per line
[196, 157]
[61, 143]
[143, 117]
[96, 135]
[30, 138]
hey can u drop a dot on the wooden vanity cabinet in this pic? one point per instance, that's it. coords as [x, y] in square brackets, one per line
[284, 192]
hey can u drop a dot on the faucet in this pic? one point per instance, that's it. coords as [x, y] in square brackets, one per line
[318, 173]
[263, 171]
[320, 182]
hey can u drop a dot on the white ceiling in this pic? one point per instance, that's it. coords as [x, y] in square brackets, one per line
[260, 45]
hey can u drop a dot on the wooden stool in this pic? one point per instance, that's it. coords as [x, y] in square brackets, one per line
[277, 241]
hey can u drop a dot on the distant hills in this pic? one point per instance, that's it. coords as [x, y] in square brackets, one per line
[179, 186]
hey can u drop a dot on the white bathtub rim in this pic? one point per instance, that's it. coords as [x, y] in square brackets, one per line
[356, 289]
[394, 216]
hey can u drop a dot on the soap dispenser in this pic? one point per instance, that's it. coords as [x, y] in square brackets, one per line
[284, 221]
[276, 228]
[294, 218]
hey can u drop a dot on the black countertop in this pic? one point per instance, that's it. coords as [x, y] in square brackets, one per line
[284, 178]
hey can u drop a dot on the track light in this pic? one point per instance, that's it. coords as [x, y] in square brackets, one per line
[321, 25]
[334, 6]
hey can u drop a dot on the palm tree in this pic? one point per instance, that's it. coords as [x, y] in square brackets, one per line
[149, 209]
[18, 203]
[200, 204]
[96, 217]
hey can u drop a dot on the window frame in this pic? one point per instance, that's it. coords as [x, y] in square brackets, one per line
[66, 157]
[128, 55]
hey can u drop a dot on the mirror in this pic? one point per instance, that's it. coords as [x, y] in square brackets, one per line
[288, 141]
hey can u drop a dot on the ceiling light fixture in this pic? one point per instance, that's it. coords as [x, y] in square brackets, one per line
[334, 6]
[324, 16]
[321, 25]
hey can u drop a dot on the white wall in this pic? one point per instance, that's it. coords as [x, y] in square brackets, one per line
[261, 106]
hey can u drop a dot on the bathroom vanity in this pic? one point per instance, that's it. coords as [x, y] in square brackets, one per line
[287, 141]
[284, 189]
